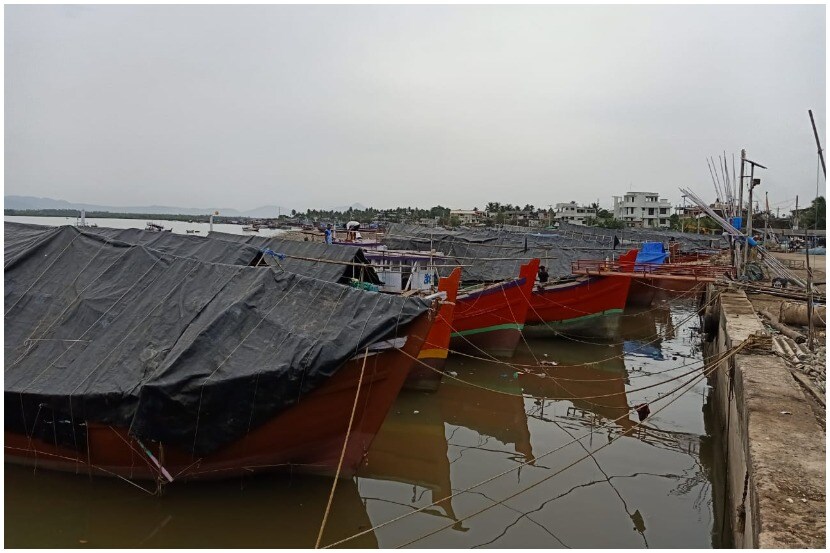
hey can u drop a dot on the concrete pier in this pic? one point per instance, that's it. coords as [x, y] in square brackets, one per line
[773, 441]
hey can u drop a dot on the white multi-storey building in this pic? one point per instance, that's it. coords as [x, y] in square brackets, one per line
[573, 213]
[467, 216]
[642, 209]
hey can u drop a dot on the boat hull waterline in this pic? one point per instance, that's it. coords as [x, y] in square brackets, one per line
[307, 437]
[490, 320]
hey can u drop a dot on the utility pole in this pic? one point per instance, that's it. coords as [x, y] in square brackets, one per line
[753, 182]
[795, 215]
[738, 253]
[818, 142]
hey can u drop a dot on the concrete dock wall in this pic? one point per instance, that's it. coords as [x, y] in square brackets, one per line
[774, 445]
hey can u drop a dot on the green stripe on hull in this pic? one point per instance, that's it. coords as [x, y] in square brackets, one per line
[511, 326]
[576, 320]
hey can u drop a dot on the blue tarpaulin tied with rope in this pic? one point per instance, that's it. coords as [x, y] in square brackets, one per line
[272, 253]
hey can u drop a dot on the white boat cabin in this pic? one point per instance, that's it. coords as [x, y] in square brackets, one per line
[401, 271]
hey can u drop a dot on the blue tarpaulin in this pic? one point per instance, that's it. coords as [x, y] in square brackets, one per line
[640, 349]
[651, 252]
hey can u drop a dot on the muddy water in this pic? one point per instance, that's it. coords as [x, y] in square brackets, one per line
[648, 485]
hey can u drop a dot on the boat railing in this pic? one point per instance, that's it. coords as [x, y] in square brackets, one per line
[599, 266]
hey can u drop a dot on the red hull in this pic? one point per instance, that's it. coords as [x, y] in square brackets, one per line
[308, 437]
[490, 320]
[580, 303]
[434, 352]
[644, 290]
[586, 298]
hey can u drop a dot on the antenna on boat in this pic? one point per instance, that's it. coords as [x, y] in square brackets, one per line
[211, 219]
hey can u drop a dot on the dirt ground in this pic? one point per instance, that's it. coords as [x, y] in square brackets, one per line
[797, 263]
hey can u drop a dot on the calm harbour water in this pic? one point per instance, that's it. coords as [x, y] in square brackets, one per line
[652, 487]
[179, 227]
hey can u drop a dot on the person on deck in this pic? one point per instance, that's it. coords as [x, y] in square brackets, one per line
[543, 274]
[328, 234]
[351, 230]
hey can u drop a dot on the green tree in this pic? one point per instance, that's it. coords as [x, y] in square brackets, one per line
[455, 221]
[610, 223]
[807, 217]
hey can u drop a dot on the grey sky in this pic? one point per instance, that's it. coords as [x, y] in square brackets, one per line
[316, 106]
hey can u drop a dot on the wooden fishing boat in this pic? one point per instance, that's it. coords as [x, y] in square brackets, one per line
[585, 304]
[650, 280]
[307, 437]
[155, 227]
[411, 273]
[427, 372]
[489, 318]
[228, 378]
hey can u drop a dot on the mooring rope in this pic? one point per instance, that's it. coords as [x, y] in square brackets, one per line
[554, 474]
[518, 366]
[717, 359]
[694, 381]
[342, 451]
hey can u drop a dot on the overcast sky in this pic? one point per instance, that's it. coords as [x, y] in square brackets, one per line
[318, 106]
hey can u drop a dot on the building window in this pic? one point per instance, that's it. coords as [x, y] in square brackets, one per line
[651, 211]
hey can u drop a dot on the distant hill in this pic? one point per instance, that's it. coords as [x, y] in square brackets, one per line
[31, 202]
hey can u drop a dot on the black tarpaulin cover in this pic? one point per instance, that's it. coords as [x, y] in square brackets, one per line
[636, 236]
[18, 237]
[337, 265]
[119, 334]
[488, 256]
[184, 245]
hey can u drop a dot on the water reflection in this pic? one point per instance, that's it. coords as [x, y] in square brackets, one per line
[48, 509]
[412, 449]
[652, 487]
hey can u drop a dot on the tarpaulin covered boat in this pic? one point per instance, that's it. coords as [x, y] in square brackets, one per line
[123, 359]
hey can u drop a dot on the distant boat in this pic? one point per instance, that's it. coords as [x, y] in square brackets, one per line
[250, 228]
[191, 231]
[155, 227]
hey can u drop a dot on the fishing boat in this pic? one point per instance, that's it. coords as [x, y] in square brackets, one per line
[202, 370]
[250, 228]
[426, 374]
[651, 280]
[489, 318]
[582, 304]
[406, 272]
[155, 227]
